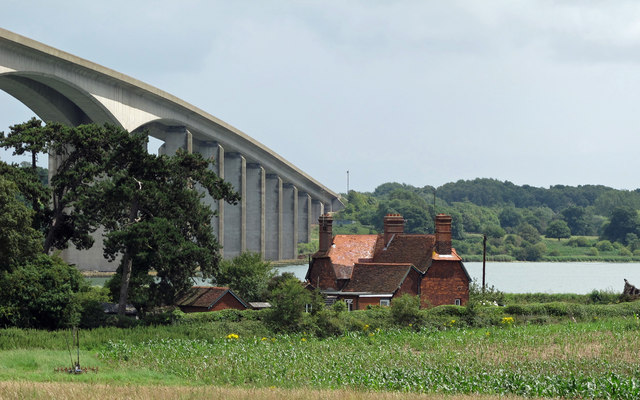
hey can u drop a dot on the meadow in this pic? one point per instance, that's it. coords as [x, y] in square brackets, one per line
[577, 351]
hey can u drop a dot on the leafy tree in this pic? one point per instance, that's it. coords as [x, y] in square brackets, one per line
[528, 233]
[41, 293]
[248, 275]
[494, 231]
[509, 217]
[19, 242]
[82, 151]
[28, 137]
[531, 252]
[412, 207]
[155, 218]
[624, 220]
[577, 219]
[152, 214]
[31, 191]
[558, 229]
[288, 305]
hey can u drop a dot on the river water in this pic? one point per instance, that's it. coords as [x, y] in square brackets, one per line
[543, 277]
[532, 277]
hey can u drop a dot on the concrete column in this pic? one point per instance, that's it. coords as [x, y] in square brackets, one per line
[255, 196]
[290, 221]
[235, 222]
[273, 217]
[317, 209]
[304, 217]
[214, 152]
[178, 137]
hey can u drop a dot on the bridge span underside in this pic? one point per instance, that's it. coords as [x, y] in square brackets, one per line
[279, 201]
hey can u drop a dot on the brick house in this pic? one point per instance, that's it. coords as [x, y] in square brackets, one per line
[373, 269]
[209, 298]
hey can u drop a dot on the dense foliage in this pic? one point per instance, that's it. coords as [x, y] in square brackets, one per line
[150, 207]
[512, 217]
[248, 275]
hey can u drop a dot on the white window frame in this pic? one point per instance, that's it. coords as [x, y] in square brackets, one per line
[458, 302]
[349, 304]
[385, 302]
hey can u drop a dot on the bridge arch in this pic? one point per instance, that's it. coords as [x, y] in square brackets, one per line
[54, 99]
[279, 201]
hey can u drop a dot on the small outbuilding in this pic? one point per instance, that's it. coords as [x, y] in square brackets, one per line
[210, 298]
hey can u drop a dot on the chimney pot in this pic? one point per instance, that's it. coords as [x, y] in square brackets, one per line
[443, 234]
[393, 223]
[326, 232]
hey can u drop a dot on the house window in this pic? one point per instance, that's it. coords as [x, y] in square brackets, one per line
[458, 302]
[307, 308]
[349, 304]
[385, 302]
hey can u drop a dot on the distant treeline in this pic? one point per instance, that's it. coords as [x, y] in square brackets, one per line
[513, 216]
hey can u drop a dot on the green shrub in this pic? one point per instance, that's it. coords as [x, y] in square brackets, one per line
[604, 245]
[41, 294]
[405, 310]
[328, 324]
[624, 252]
[288, 305]
[91, 311]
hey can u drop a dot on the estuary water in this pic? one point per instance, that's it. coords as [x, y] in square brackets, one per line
[543, 277]
[530, 277]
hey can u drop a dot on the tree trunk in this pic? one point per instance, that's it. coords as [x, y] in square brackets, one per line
[48, 242]
[127, 266]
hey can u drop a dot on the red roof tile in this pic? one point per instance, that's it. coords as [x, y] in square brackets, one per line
[413, 249]
[348, 250]
[204, 296]
[377, 278]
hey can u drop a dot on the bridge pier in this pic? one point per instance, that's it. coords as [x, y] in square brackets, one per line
[235, 217]
[273, 217]
[317, 209]
[256, 209]
[290, 221]
[214, 152]
[304, 217]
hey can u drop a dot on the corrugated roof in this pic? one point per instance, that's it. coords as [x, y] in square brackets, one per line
[377, 278]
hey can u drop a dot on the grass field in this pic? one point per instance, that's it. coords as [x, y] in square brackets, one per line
[56, 390]
[596, 359]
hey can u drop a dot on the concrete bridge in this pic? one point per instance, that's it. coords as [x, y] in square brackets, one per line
[279, 201]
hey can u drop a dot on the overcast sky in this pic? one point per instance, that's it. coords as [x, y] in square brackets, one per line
[419, 92]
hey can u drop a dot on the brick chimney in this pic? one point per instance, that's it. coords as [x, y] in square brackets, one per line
[326, 234]
[393, 223]
[443, 234]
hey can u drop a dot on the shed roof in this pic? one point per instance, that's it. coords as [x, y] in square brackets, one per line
[206, 296]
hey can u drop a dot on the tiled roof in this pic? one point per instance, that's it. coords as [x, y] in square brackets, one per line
[348, 250]
[406, 248]
[204, 296]
[377, 278]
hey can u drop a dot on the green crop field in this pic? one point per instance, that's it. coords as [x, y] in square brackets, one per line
[593, 359]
